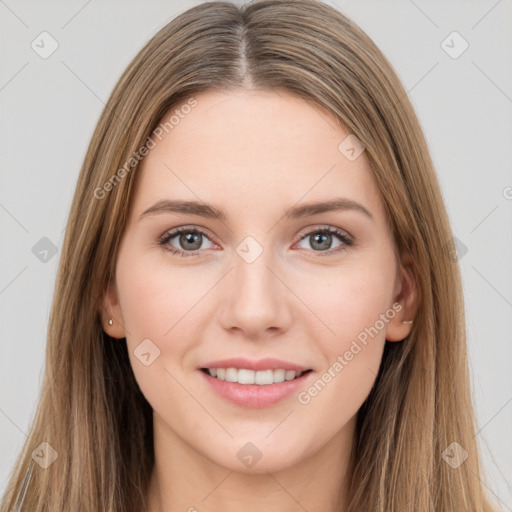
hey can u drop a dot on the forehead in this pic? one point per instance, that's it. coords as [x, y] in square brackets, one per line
[252, 149]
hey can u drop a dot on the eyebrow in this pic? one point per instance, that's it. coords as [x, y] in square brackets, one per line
[295, 212]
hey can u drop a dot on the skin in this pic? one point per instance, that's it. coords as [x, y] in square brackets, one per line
[254, 154]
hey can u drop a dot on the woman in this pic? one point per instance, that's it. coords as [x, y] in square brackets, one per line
[307, 350]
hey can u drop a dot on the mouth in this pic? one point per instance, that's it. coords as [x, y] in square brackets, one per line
[247, 376]
[255, 389]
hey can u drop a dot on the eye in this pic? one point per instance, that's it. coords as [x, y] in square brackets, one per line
[189, 241]
[321, 240]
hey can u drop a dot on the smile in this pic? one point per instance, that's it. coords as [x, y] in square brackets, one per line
[260, 377]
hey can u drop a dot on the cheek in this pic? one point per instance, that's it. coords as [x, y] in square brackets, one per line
[351, 363]
[355, 306]
[160, 315]
[158, 299]
[348, 301]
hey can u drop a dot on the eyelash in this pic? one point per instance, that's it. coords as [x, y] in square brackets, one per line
[166, 237]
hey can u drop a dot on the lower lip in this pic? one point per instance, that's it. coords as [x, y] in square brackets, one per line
[255, 396]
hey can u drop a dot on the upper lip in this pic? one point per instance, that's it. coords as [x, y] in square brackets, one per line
[268, 363]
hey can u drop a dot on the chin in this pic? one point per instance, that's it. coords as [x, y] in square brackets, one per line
[257, 457]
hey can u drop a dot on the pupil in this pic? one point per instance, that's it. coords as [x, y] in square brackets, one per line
[191, 238]
[326, 240]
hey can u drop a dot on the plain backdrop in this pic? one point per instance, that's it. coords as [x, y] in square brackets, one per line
[49, 107]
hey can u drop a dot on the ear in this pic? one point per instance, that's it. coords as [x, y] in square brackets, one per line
[110, 309]
[406, 294]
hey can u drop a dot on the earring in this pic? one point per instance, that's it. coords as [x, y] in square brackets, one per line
[407, 321]
[110, 321]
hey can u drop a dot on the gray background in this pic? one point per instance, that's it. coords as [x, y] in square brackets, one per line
[50, 107]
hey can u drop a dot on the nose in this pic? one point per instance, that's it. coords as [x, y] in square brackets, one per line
[256, 300]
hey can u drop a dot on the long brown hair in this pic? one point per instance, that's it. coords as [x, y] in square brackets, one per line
[91, 411]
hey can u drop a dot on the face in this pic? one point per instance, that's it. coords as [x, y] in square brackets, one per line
[248, 272]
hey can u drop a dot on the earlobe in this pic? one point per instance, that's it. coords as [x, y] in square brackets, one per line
[110, 313]
[401, 325]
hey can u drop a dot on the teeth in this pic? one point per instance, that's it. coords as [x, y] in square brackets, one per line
[262, 377]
